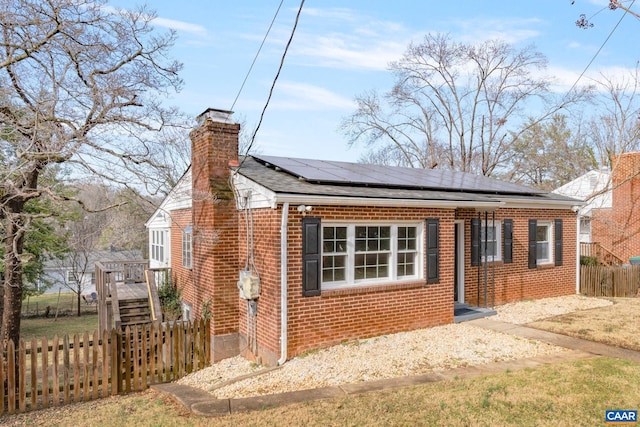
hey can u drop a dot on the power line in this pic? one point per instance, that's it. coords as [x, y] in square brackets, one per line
[273, 85]
[255, 58]
[600, 49]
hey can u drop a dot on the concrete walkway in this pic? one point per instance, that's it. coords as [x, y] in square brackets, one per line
[202, 403]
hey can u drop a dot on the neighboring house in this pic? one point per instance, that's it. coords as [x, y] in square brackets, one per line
[614, 214]
[79, 268]
[594, 189]
[287, 255]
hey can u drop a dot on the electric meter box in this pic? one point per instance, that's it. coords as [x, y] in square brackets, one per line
[248, 285]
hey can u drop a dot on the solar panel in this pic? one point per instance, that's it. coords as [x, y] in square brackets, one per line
[334, 172]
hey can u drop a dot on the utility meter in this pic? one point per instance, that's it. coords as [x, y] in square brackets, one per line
[249, 285]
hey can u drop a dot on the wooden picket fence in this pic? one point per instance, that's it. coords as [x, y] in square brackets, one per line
[41, 373]
[609, 281]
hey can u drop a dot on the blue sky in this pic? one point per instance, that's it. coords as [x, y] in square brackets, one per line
[341, 49]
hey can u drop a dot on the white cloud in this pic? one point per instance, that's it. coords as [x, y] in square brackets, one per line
[510, 30]
[340, 51]
[186, 27]
[344, 39]
[564, 78]
[303, 96]
[342, 14]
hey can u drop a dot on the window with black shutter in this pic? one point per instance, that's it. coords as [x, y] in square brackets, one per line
[558, 241]
[433, 250]
[508, 241]
[475, 241]
[533, 247]
[311, 256]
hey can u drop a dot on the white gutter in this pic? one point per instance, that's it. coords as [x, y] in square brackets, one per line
[283, 284]
[543, 204]
[578, 253]
[372, 201]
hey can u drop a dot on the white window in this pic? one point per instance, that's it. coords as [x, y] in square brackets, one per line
[187, 248]
[492, 231]
[187, 311]
[71, 277]
[585, 225]
[354, 254]
[157, 245]
[544, 239]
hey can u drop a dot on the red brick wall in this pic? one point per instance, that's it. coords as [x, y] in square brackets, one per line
[624, 231]
[266, 253]
[604, 229]
[180, 219]
[348, 314]
[516, 281]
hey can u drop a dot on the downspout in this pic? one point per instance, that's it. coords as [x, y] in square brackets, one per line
[283, 284]
[577, 252]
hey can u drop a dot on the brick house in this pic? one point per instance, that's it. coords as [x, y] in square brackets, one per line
[327, 252]
[610, 216]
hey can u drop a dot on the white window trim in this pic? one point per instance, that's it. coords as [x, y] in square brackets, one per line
[158, 248]
[187, 263]
[187, 311]
[498, 225]
[550, 242]
[350, 281]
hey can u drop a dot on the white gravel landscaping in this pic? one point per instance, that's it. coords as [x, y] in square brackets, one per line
[387, 356]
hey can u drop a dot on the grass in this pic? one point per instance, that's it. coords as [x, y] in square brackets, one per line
[67, 322]
[41, 327]
[66, 303]
[575, 394]
[617, 324]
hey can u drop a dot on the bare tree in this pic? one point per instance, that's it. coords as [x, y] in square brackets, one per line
[615, 128]
[81, 84]
[84, 230]
[456, 106]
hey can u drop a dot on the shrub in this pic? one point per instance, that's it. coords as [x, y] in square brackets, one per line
[588, 260]
[170, 300]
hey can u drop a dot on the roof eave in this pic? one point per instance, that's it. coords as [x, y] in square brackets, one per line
[544, 204]
[371, 201]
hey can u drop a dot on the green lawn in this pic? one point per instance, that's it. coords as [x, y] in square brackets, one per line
[34, 324]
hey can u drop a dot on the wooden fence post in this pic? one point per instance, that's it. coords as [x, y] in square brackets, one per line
[45, 372]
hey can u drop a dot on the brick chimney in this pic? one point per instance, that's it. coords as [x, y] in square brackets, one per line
[214, 144]
[625, 204]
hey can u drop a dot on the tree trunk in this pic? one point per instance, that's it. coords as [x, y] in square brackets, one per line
[79, 293]
[12, 301]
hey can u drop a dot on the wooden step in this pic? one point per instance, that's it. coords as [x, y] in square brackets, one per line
[134, 311]
[136, 322]
[129, 316]
[134, 303]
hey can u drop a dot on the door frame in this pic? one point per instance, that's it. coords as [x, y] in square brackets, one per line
[459, 256]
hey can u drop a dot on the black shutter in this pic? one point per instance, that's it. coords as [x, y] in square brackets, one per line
[475, 241]
[533, 252]
[311, 241]
[507, 255]
[558, 240]
[433, 250]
